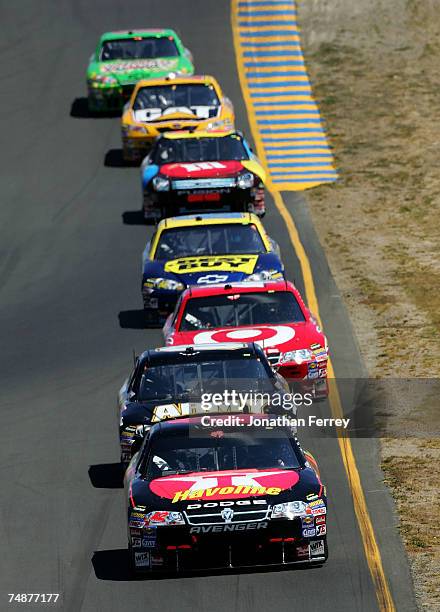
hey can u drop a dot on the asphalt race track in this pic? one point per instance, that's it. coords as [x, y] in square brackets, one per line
[70, 246]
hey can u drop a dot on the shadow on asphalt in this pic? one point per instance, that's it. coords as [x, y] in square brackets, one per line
[136, 319]
[114, 159]
[134, 217]
[107, 476]
[132, 319]
[80, 110]
[114, 565]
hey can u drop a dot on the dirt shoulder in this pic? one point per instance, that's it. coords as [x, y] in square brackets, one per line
[376, 73]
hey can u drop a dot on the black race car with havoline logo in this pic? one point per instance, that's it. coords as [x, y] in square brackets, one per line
[170, 382]
[206, 496]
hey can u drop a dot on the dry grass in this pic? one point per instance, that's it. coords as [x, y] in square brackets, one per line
[376, 70]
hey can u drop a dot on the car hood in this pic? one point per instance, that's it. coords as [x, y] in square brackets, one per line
[210, 269]
[131, 71]
[198, 170]
[283, 337]
[273, 486]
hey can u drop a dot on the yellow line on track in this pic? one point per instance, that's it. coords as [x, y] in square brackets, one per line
[371, 547]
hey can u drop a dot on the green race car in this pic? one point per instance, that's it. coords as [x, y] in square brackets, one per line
[123, 58]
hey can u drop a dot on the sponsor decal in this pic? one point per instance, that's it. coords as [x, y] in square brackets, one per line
[149, 541]
[136, 523]
[311, 497]
[319, 511]
[321, 530]
[319, 520]
[137, 515]
[307, 521]
[212, 278]
[169, 411]
[265, 336]
[211, 486]
[196, 167]
[135, 532]
[227, 263]
[309, 533]
[142, 559]
[140, 64]
[226, 491]
[136, 542]
[316, 503]
[156, 560]
[225, 504]
[227, 515]
[303, 552]
[229, 527]
[315, 347]
[317, 548]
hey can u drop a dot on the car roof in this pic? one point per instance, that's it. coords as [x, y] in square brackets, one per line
[207, 79]
[177, 135]
[241, 287]
[243, 218]
[181, 424]
[158, 354]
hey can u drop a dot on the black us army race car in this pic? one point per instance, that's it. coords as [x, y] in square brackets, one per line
[170, 382]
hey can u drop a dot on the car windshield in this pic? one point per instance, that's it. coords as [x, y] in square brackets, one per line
[190, 380]
[224, 239]
[236, 310]
[177, 96]
[220, 450]
[188, 150]
[139, 47]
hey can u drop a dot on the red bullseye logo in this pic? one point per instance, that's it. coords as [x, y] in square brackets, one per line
[264, 336]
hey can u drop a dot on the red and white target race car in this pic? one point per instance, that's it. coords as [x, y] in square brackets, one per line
[271, 314]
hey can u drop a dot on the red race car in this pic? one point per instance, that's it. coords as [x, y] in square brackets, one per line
[272, 314]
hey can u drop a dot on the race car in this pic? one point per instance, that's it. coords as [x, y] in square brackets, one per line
[122, 58]
[201, 171]
[272, 314]
[169, 382]
[169, 104]
[207, 496]
[202, 250]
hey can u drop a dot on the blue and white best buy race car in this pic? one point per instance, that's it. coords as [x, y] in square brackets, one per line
[205, 249]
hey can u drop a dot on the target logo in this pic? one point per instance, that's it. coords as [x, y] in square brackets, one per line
[264, 336]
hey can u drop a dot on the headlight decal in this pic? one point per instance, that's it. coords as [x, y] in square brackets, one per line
[245, 180]
[166, 284]
[161, 183]
[298, 356]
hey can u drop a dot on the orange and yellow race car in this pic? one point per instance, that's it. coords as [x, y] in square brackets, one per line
[183, 103]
